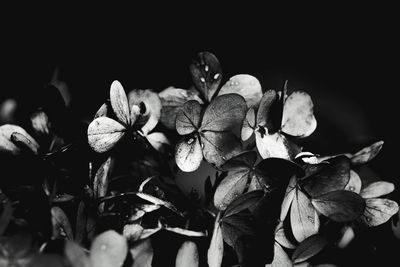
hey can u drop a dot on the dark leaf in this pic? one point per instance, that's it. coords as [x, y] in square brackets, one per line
[206, 74]
[243, 202]
[331, 177]
[80, 226]
[218, 147]
[340, 205]
[264, 109]
[279, 170]
[231, 187]
[188, 118]
[6, 213]
[309, 248]
[235, 226]
[246, 159]
[224, 113]
[172, 99]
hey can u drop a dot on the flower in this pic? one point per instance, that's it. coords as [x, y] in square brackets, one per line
[140, 113]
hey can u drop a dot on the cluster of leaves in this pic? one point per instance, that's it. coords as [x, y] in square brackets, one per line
[104, 193]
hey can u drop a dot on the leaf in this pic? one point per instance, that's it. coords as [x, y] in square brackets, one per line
[218, 147]
[188, 255]
[272, 145]
[281, 259]
[309, 248]
[288, 198]
[104, 133]
[377, 189]
[172, 99]
[61, 225]
[100, 182]
[215, 251]
[246, 159]
[264, 109]
[152, 104]
[142, 253]
[188, 118]
[81, 219]
[119, 103]
[378, 211]
[279, 170]
[158, 201]
[185, 232]
[108, 249]
[206, 74]
[76, 255]
[6, 213]
[188, 154]
[237, 226]
[6, 145]
[245, 85]
[243, 202]
[249, 124]
[224, 113]
[158, 141]
[298, 115]
[367, 154]
[328, 177]
[304, 219]
[340, 205]
[354, 183]
[232, 186]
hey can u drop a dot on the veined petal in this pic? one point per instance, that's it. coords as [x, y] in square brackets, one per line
[119, 103]
[104, 133]
[272, 145]
[188, 154]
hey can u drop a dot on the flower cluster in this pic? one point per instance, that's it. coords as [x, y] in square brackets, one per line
[114, 201]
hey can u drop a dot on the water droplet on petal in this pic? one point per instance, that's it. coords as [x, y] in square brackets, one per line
[202, 145]
[368, 219]
[190, 141]
[202, 80]
[223, 158]
[206, 68]
[216, 76]
[351, 188]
